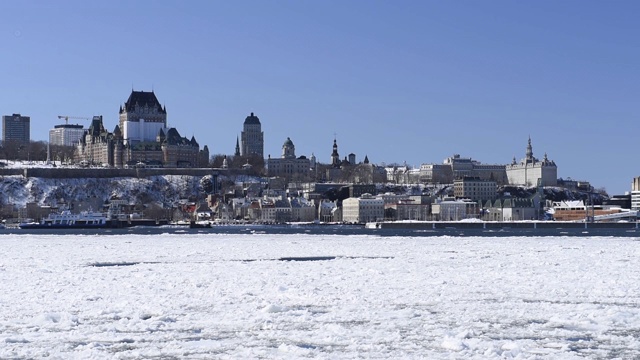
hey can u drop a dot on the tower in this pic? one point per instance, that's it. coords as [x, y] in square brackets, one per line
[142, 117]
[335, 157]
[16, 128]
[529, 155]
[252, 137]
[288, 149]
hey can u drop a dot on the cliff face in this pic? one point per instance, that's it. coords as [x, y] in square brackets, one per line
[164, 189]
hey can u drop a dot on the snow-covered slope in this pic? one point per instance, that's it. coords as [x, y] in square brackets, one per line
[161, 189]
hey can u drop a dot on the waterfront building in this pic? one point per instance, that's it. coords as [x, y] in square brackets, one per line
[66, 134]
[363, 209]
[530, 169]
[450, 209]
[252, 137]
[302, 210]
[413, 208]
[510, 209]
[326, 209]
[16, 128]
[635, 193]
[577, 210]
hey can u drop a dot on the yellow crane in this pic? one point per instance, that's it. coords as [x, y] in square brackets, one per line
[66, 118]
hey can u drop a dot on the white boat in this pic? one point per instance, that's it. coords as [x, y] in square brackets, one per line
[66, 219]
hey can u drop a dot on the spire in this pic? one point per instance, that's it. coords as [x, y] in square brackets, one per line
[335, 157]
[237, 147]
[366, 159]
[529, 156]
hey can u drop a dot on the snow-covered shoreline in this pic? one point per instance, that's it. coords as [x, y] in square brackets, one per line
[227, 296]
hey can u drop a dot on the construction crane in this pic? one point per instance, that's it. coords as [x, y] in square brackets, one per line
[66, 118]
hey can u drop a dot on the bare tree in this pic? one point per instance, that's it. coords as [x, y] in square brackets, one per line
[217, 160]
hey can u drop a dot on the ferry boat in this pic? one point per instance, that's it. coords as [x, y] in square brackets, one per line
[66, 219]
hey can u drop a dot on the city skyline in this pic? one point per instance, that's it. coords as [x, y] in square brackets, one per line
[412, 81]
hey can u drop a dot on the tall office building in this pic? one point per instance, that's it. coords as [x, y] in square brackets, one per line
[252, 137]
[16, 128]
[66, 134]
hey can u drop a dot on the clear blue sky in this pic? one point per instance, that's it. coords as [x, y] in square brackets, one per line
[413, 81]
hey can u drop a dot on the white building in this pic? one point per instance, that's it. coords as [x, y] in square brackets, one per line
[454, 210]
[635, 194]
[66, 135]
[363, 209]
[529, 170]
[302, 210]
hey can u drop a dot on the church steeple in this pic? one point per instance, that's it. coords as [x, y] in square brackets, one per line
[237, 147]
[529, 155]
[335, 157]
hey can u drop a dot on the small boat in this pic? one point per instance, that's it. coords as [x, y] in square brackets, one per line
[66, 220]
[199, 224]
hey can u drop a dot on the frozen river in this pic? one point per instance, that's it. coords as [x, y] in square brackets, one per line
[208, 296]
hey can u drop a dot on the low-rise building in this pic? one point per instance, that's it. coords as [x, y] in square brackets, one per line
[509, 209]
[302, 210]
[363, 209]
[413, 208]
[450, 209]
[325, 210]
[577, 211]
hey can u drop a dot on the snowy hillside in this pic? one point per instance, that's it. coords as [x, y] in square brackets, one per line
[166, 189]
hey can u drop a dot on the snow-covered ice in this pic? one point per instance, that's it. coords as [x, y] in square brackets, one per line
[229, 296]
